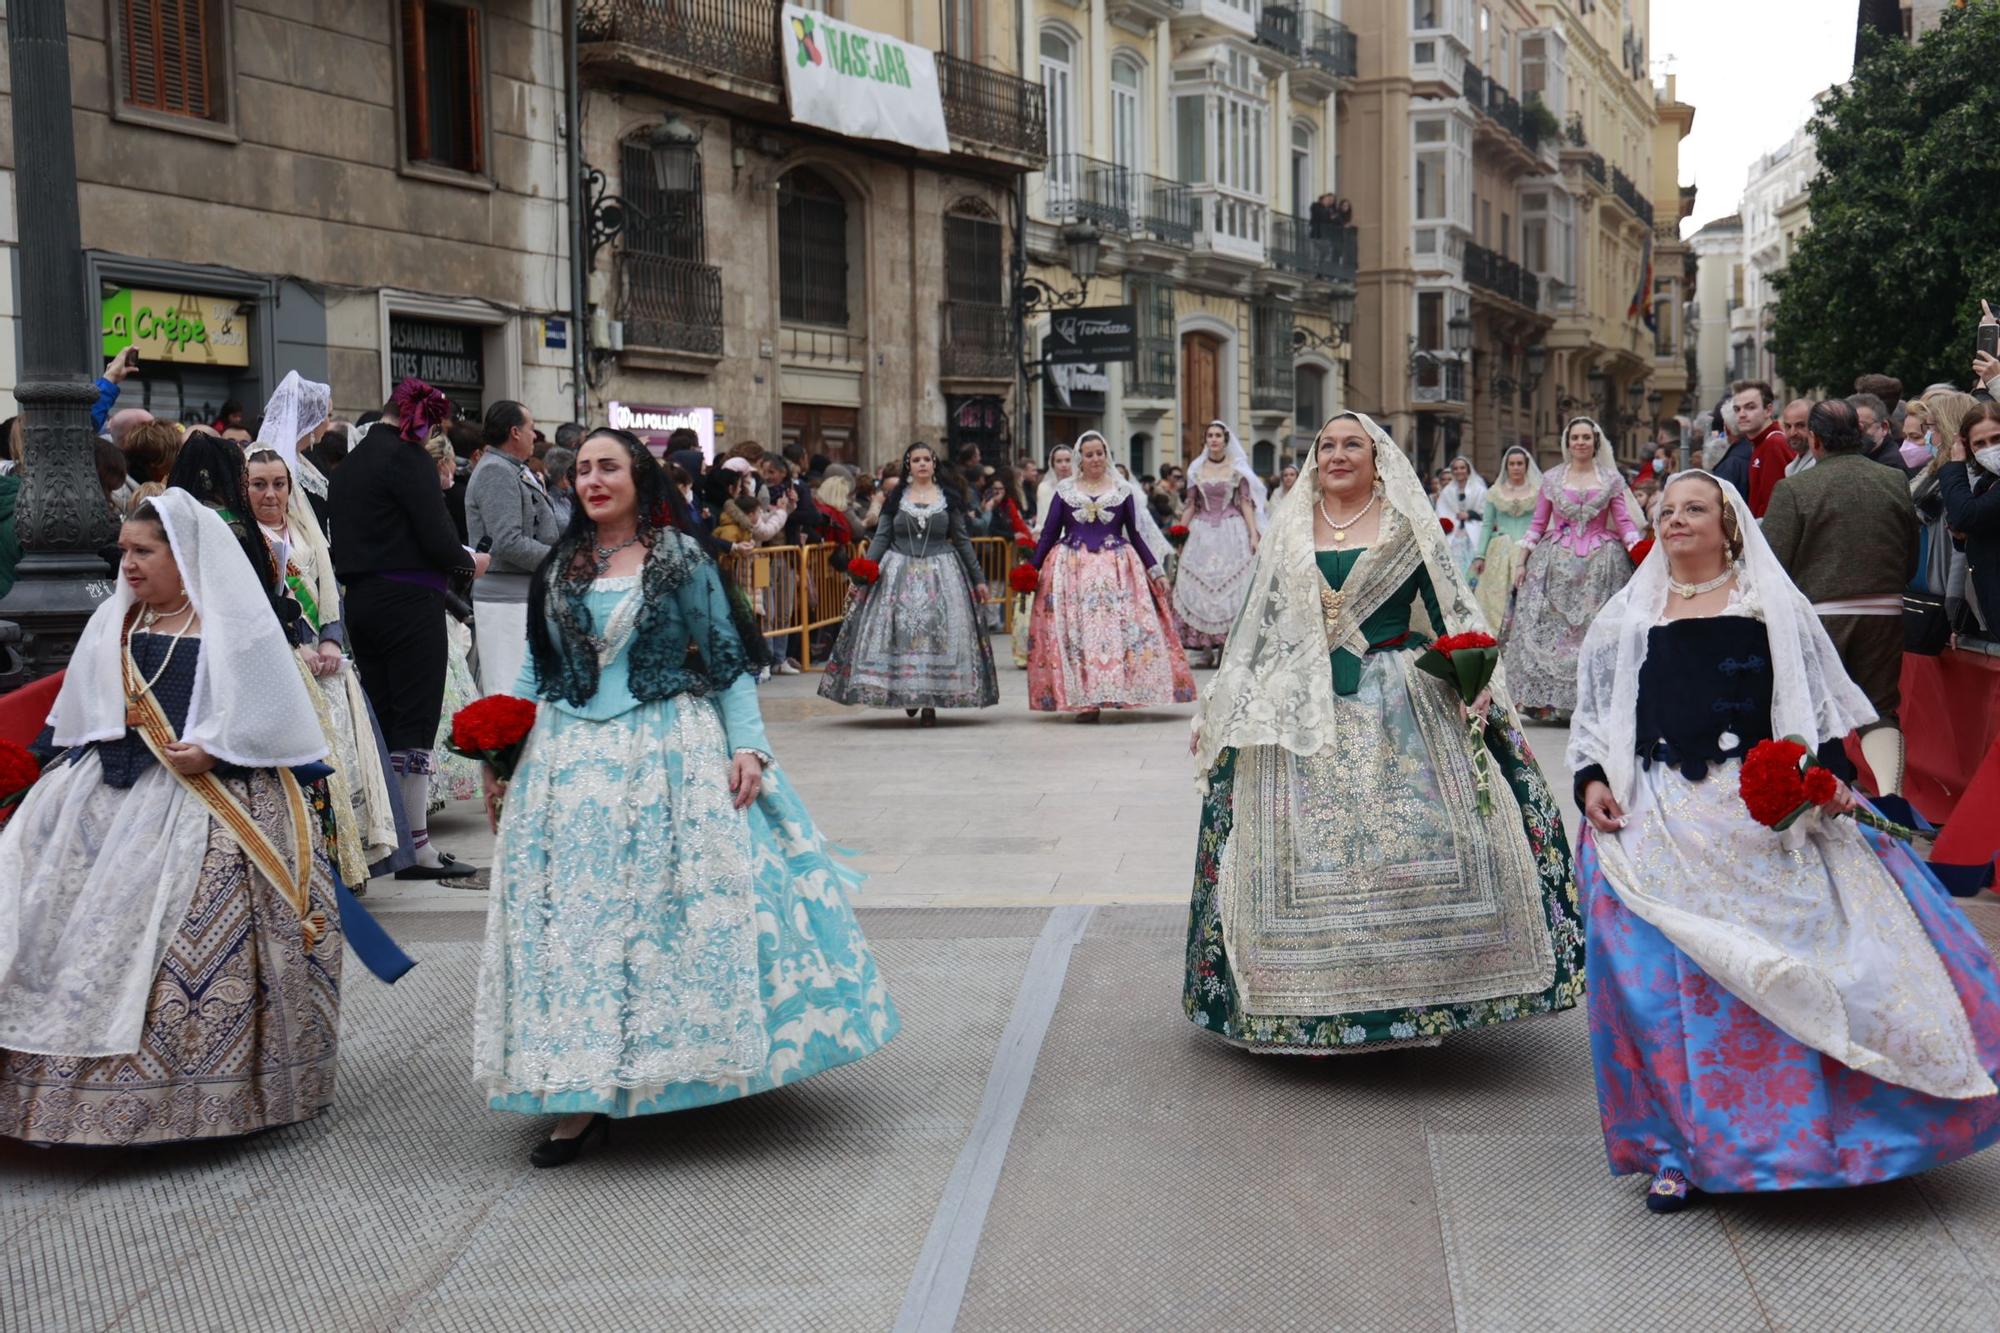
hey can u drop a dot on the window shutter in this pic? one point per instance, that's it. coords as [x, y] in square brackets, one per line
[416, 87]
[166, 55]
[475, 99]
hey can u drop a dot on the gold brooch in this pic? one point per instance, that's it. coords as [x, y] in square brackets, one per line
[1330, 602]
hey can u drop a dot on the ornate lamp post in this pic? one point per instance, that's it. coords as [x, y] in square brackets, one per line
[64, 520]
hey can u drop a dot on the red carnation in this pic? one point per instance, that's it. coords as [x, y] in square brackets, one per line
[1025, 542]
[18, 772]
[1446, 523]
[1640, 549]
[863, 571]
[1023, 578]
[1177, 534]
[1771, 785]
[493, 730]
[1821, 785]
[1451, 643]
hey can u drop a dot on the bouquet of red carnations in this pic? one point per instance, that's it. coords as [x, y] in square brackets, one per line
[1640, 550]
[1178, 534]
[493, 730]
[1466, 662]
[1024, 578]
[1026, 543]
[1446, 523]
[863, 571]
[1783, 780]
[18, 772]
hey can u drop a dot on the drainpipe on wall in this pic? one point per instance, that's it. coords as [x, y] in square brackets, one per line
[579, 223]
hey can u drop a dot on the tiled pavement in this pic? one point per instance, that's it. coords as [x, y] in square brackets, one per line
[1048, 1145]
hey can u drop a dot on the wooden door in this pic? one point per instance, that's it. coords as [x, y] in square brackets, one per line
[818, 429]
[1201, 389]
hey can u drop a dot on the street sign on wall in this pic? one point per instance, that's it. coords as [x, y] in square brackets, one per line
[864, 84]
[1095, 335]
[655, 424]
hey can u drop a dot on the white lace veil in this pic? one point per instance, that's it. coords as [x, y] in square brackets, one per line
[1274, 686]
[1531, 484]
[1237, 461]
[1474, 499]
[250, 706]
[295, 410]
[1149, 531]
[1045, 490]
[1811, 694]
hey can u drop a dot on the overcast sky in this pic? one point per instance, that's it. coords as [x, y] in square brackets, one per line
[1750, 69]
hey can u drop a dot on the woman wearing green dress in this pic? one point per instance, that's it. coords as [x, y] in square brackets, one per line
[1510, 507]
[1349, 894]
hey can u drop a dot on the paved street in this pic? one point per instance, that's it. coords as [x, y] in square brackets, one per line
[1048, 1145]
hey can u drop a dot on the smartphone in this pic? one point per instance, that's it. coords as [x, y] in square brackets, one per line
[1989, 339]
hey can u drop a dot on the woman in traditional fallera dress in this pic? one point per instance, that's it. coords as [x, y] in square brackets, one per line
[667, 929]
[1103, 633]
[1770, 1011]
[279, 478]
[1225, 521]
[1575, 558]
[1349, 894]
[170, 949]
[914, 640]
[1462, 502]
[1510, 507]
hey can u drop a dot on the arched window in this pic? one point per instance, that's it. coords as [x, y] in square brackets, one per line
[1128, 135]
[1264, 458]
[1304, 179]
[812, 250]
[1059, 91]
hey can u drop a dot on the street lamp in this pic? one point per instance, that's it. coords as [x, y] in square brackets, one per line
[1342, 310]
[64, 519]
[1083, 241]
[1459, 331]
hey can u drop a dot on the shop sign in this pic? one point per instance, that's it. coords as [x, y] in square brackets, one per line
[860, 83]
[654, 424]
[442, 355]
[1073, 386]
[1096, 334]
[179, 327]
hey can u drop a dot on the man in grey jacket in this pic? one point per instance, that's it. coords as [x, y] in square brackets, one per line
[506, 505]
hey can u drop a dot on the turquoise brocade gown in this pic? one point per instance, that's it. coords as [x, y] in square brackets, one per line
[650, 948]
[1394, 771]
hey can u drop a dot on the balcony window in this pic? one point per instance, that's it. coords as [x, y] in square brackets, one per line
[444, 103]
[978, 324]
[1152, 373]
[1444, 171]
[1542, 72]
[1427, 15]
[1059, 91]
[1221, 129]
[1303, 157]
[974, 265]
[1271, 381]
[961, 29]
[1128, 137]
[1308, 401]
[812, 251]
[670, 296]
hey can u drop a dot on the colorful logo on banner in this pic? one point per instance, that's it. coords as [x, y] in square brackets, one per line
[863, 84]
[174, 326]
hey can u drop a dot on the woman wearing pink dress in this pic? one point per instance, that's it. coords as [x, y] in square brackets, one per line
[1576, 561]
[1102, 634]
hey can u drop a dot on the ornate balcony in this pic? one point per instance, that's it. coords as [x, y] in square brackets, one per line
[1627, 193]
[1278, 29]
[986, 106]
[1076, 188]
[1331, 55]
[1145, 12]
[1330, 255]
[674, 304]
[978, 341]
[1166, 210]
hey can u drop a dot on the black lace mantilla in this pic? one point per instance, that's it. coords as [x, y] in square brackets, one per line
[685, 641]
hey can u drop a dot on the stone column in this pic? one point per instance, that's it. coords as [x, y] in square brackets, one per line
[63, 519]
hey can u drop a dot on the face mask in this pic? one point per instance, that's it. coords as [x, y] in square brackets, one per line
[1915, 453]
[1989, 458]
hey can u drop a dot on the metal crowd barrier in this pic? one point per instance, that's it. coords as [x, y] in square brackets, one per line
[795, 590]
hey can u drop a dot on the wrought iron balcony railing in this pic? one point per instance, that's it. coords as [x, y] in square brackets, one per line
[1076, 188]
[734, 37]
[671, 303]
[1593, 167]
[1152, 372]
[978, 340]
[1166, 210]
[1329, 252]
[1574, 131]
[1475, 84]
[990, 107]
[1331, 45]
[1278, 28]
[1628, 194]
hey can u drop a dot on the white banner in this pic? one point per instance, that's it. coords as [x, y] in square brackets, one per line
[863, 84]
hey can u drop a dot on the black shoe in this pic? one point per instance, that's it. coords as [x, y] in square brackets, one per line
[561, 1152]
[910, 713]
[448, 867]
[929, 718]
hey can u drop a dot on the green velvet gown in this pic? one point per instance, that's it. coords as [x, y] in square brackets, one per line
[1391, 780]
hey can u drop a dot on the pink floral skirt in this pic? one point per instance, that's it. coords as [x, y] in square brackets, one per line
[1101, 637]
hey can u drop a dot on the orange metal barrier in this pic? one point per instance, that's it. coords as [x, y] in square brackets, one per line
[796, 589]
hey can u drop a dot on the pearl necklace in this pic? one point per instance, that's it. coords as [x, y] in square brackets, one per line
[1340, 529]
[150, 617]
[1690, 591]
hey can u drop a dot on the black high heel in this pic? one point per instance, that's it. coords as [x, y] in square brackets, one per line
[561, 1152]
[909, 712]
[929, 718]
